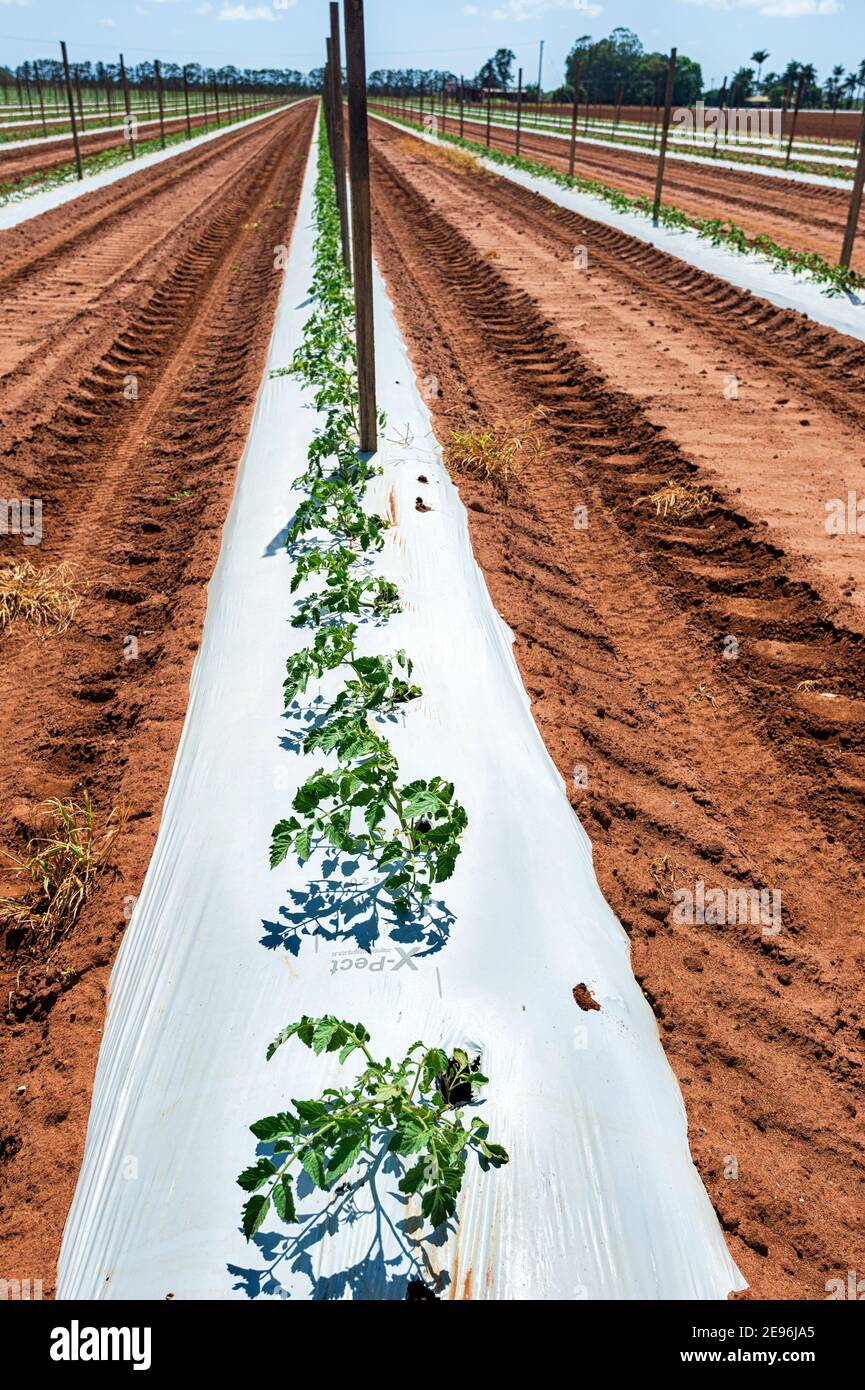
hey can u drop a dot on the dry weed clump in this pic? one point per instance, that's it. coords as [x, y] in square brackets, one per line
[680, 501]
[501, 452]
[45, 597]
[61, 864]
[446, 156]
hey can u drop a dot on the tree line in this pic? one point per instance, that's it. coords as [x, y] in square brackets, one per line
[618, 69]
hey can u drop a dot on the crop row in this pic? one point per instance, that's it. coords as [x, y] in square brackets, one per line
[410, 832]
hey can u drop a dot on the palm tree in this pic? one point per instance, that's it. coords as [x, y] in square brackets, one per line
[759, 57]
[850, 85]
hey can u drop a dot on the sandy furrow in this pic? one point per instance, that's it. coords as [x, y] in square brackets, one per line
[692, 767]
[805, 216]
[136, 490]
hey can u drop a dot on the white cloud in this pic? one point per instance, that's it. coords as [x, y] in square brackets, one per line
[773, 9]
[470, 10]
[22, 4]
[204, 9]
[230, 13]
[107, 23]
[531, 9]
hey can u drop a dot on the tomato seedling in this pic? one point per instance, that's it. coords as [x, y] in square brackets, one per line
[413, 1108]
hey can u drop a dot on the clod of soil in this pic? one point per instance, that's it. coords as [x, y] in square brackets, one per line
[584, 998]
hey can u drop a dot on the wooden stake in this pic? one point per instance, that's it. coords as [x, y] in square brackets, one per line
[799, 90]
[80, 102]
[327, 99]
[519, 111]
[462, 105]
[361, 222]
[665, 133]
[489, 112]
[41, 99]
[186, 100]
[574, 121]
[339, 133]
[855, 200]
[71, 101]
[722, 115]
[127, 107]
[161, 100]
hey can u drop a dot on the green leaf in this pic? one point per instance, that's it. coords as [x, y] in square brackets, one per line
[283, 1199]
[275, 1126]
[251, 1179]
[410, 1134]
[311, 1111]
[280, 842]
[254, 1212]
[344, 1156]
[313, 1164]
[414, 1179]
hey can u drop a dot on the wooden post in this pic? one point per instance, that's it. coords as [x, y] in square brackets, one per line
[216, 98]
[462, 105]
[573, 153]
[41, 98]
[665, 133]
[186, 100]
[327, 99]
[80, 102]
[489, 112]
[161, 100]
[540, 79]
[127, 108]
[421, 103]
[618, 112]
[855, 200]
[785, 102]
[722, 113]
[799, 90]
[71, 101]
[361, 221]
[519, 112]
[339, 133]
[588, 104]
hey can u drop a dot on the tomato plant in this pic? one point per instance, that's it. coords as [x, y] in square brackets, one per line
[413, 1108]
[412, 830]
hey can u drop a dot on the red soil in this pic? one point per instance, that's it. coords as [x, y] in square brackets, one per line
[743, 773]
[808, 217]
[20, 164]
[169, 277]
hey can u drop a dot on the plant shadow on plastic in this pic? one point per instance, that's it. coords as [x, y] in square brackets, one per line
[349, 900]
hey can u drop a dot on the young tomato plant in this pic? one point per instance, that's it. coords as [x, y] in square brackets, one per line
[413, 1108]
[344, 593]
[411, 831]
[352, 807]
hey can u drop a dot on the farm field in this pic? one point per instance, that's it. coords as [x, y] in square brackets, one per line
[432, 681]
[483, 276]
[32, 164]
[806, 216]
[166, 271]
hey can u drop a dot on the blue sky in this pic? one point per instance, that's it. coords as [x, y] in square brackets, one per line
[719, 34]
